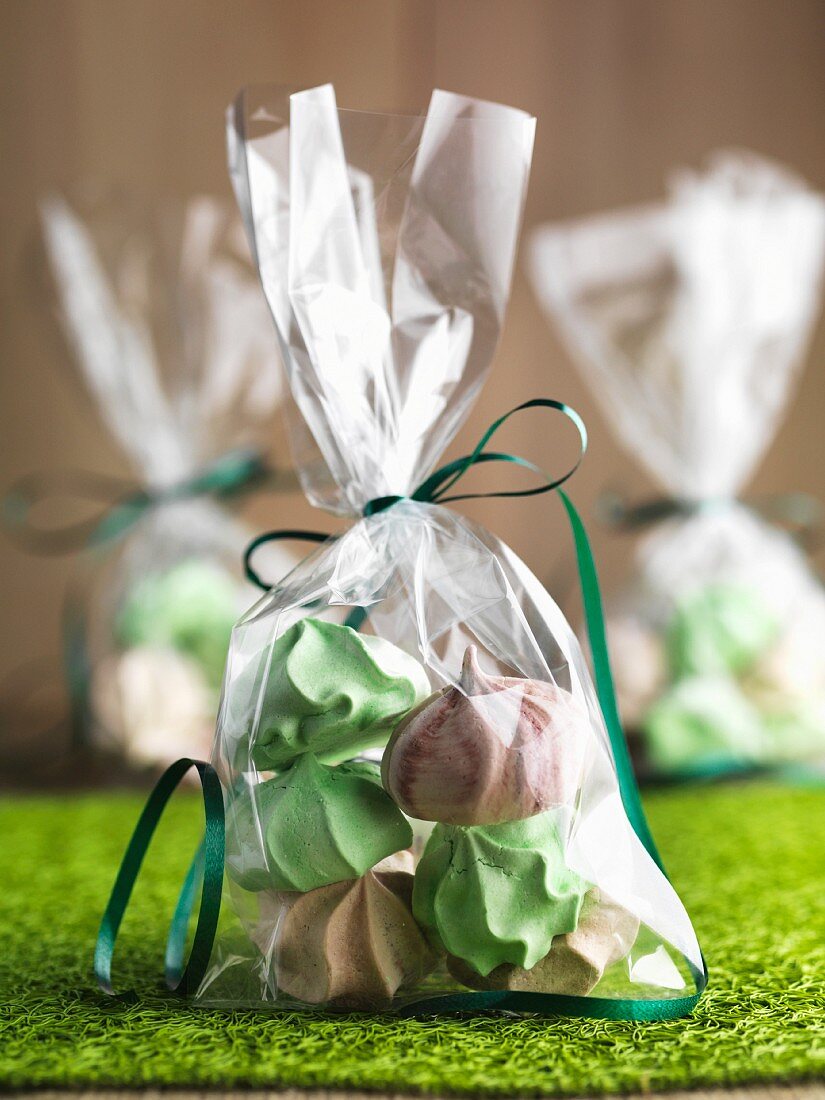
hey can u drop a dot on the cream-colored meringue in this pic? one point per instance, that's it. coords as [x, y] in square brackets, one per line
[639, 666]
[155, 705]
[575, 962]
[353, 944]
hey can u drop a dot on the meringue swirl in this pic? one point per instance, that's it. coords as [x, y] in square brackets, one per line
[311, 826]
[351, 944]
[490, 750]
[326, 689]
[494, 894]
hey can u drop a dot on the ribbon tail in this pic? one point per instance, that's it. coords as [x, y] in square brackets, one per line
[667, 1008]
[597, 635]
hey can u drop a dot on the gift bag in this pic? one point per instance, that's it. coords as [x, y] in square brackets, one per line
[423, 808]
[690, 320]
[170, 332]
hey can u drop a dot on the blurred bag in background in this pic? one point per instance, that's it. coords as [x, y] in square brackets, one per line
[690, 320]
[169, 328]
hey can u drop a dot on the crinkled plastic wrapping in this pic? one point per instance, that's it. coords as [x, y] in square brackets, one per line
[690, 321]
[421, 797]
[169, 331]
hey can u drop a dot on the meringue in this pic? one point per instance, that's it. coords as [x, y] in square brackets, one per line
[493, 894]
[351, 944]
[492, 749]
[639, 667]
[575, 962]
[311, 826]
[154, 704]
[703, 722]
[721, 628]
[326, 689]
[190, 607]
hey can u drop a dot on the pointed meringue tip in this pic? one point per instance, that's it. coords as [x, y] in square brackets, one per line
[472, 679]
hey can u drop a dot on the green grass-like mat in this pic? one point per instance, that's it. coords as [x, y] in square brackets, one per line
[749, 862]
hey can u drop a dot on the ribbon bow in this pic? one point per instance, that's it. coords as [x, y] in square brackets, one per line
[799, 513]
[435, 488]
[122, 505]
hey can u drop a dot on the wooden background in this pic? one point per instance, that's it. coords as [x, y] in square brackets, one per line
[132, 93]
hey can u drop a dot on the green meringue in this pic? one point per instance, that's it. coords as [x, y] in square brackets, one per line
[702, 723]
[796, 731]
[190, 607]
[311, 826]
[493, 894]
[721, 628]
[327, 690]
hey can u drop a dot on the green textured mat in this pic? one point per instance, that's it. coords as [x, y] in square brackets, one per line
[749, 862]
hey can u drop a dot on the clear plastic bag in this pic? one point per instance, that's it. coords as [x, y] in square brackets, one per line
[690, 320]
[167, 326]
[489, 858]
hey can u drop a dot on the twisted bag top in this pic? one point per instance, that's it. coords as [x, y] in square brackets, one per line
[385, 245]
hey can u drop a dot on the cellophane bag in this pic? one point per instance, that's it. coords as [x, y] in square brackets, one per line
[690, 320]
[167, 327]
[422, 805]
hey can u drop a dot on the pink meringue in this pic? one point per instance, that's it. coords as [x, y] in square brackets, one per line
[490, 750]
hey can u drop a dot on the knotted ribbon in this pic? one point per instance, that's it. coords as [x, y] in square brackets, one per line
[800, 513]
[122, 506]
[436, 489]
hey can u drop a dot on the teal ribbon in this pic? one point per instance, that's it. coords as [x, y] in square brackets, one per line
[122, 506]
[252, 574]
[435, 490]
[207, 867]
[800, 513]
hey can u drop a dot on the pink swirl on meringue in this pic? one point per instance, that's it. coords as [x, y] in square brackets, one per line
[491, 749]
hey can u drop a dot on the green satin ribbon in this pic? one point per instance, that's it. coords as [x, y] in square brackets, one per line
[605, 689]
[273, 536]
[207, 866]
[435, 490]
[800, 513]
[122, 505]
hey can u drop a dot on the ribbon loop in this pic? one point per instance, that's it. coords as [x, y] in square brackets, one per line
[121, 505]
[276, 536]
[435, 488]
[179, 978]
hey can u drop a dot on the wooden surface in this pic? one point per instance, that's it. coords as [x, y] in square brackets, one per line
[132, 94]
